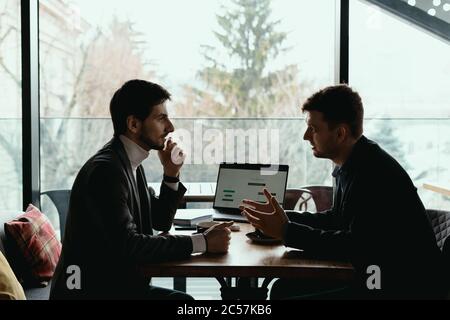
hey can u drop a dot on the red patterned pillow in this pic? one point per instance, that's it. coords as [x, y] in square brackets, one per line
[36, 243]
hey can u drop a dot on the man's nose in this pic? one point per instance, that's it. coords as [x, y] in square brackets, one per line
[171, 127]
[305, 135]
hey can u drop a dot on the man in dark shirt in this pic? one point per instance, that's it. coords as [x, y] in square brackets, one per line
[377, 221]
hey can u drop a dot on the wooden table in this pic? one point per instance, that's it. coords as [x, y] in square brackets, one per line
[439, 188]
[249, 260]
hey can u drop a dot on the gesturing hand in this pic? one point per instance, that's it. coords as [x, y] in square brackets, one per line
[268, 217]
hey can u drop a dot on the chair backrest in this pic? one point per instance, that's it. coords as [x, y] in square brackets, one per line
[298, 198]
[446, 255]
[60, 199]
[440, 221]
[322, 196]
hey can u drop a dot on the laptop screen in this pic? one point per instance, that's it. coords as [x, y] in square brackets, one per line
[236, 182]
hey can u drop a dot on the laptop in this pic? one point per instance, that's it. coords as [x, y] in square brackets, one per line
[236, 182]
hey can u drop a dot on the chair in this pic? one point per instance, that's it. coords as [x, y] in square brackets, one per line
[446, 254]
[60, 199]
[298, 199]
[440, 222]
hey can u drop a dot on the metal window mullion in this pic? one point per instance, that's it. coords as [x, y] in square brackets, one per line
[30, 102]
[341, 47]
[342, 42]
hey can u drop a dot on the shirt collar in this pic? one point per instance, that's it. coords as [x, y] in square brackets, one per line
[336, 171]
[135, 153]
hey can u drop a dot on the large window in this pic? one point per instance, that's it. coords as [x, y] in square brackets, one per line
[402, 73]
[228, 64]
[10, 107]
[238, 72]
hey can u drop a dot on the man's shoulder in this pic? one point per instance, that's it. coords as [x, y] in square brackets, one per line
[105, 160]
[374, 154]
[381, 166]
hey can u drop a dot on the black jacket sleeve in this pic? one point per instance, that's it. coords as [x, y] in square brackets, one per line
[328, 243]
[109, 202]
[323, 220]
[165, 206]
[343, 234]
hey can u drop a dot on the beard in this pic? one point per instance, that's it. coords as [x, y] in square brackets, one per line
[151, 144]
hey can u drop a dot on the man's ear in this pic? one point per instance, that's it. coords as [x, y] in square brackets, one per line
[133, 124]
[343, 132]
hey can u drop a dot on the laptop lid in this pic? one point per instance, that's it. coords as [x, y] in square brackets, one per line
[236, 182]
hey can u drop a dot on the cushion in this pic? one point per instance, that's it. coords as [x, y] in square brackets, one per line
[10, 288]
[35, 245]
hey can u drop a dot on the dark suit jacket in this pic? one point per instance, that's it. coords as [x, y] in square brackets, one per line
[377, 218]
[109, 229]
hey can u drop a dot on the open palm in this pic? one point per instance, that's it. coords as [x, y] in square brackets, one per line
[268, 217]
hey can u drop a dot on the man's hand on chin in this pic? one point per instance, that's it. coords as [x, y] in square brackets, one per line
[172, 159]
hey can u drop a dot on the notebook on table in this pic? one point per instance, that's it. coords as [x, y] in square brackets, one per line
[191, 217]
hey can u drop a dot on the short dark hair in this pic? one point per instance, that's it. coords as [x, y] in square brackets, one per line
[137, 98]
[338, 104]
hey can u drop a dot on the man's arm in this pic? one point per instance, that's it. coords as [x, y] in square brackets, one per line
[171, 192]
[358, 229]
[329, 243]
[167, 210]
[109, 196]
[323, 220]
[164, 207]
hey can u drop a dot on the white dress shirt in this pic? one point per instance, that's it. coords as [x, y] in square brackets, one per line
[137, 155]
